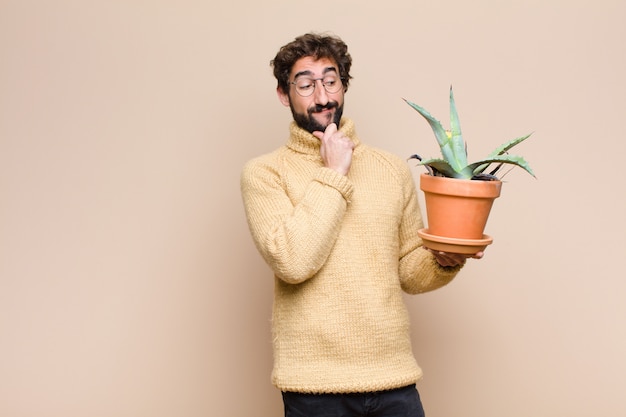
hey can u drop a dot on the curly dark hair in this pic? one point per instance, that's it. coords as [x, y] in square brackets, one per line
[316, 46]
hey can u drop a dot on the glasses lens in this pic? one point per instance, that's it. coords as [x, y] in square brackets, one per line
[306, 86]
[332, 84]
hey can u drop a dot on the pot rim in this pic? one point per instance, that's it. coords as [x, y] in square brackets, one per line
[460, 187]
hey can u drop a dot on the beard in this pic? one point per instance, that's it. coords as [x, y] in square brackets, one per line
[308, 123]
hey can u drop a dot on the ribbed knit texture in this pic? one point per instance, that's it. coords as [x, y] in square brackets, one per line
[342, 249]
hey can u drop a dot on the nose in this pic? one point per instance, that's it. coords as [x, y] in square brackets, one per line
[320, 95]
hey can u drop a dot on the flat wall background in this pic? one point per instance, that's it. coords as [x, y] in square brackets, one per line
[128, 283]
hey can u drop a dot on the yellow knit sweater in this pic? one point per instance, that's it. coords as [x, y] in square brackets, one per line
[342, 249]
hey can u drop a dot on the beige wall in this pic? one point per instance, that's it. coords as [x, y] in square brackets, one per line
[128, 283]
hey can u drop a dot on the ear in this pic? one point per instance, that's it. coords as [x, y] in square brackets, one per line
[284, 98]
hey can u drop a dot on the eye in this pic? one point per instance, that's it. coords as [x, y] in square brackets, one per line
[305, 84]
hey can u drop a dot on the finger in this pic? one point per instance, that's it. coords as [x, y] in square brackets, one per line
[330, 129]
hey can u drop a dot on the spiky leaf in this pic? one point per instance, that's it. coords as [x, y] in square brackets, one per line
[451, 152]
[479, 166]
[508, 145]
[446, 169]
[459, 149]
[454, 150]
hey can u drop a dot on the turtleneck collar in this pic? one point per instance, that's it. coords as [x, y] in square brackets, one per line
[304, 142]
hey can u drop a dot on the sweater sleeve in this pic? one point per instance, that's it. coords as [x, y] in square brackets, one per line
[419, 271]
[294, 237]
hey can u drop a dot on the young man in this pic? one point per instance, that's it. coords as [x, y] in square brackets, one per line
[337, 222]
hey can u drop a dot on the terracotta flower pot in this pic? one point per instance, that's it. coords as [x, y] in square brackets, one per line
[457, 212]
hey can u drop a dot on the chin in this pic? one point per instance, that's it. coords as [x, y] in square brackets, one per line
[326, 120]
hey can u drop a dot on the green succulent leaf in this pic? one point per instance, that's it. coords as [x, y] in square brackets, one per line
[438, 130]
[508, 145]
[452, 148]
[453, 163]
[459, 149]
[479, 166]
[446, 169]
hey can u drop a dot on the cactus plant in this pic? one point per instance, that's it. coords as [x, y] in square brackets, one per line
[454, 163]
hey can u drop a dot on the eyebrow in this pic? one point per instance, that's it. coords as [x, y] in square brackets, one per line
[310, 73]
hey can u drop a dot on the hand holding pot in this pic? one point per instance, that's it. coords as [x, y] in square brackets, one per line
[454, 259]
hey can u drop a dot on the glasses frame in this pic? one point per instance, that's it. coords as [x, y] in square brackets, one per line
[315, 86]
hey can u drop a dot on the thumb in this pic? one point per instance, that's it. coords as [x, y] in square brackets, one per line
[330, 129]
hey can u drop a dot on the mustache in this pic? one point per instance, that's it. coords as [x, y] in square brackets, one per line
[318, 107]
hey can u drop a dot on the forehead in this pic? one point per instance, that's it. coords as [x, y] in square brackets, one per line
[313, 67]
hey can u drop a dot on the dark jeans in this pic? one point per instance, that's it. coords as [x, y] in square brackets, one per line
[401, 402]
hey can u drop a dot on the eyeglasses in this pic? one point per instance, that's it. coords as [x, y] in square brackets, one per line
[306, 86]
